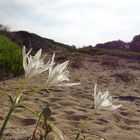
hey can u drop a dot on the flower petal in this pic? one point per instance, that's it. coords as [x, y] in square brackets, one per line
[103, 101]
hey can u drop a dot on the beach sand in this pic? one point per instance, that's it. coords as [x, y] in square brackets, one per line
[72, 105]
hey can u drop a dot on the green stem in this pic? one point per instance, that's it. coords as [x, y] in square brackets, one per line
[10, 97]
[5, 122]
[12, 108]
[83, 124]
[33, 92]
[22, 85]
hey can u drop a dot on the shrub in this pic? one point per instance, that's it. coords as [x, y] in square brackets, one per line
[10, 56]
[109, 52]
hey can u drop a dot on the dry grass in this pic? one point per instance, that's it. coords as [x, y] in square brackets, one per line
[110, 63]
[76, 62]
[125, 77]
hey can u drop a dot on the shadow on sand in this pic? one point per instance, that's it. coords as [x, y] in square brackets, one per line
[128, 98]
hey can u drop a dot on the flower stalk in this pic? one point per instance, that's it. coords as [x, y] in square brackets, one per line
[102, 102]
[5, 122]
[14, 104]
[83, 124]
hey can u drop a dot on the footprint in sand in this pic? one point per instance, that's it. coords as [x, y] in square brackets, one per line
[124, 113]
[70, 103]
[125, 127]
[137, 103]
[54, 99]
[131, 122]
[69, 112]
[117, 118]
[103, 120]
[78, 117]
[100, 121]
[28, 121]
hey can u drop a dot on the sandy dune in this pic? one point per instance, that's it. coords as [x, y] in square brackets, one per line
[72, 105]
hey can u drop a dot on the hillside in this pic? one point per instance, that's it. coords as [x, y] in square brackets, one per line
[31, 40]
[133, 45]
[113, 48]
[36, 42]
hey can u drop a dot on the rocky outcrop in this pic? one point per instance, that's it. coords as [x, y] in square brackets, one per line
[34, 41]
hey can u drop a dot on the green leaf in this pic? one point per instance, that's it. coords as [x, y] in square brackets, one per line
[10, 97]
[78, 135]
[47, 112]
[32, 111]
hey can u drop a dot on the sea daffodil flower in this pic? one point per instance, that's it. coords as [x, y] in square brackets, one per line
[34, 65]
[103, 101]
[58, 74]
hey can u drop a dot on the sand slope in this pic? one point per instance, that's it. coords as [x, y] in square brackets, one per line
[72, 105]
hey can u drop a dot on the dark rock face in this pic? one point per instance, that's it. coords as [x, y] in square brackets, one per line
[135, 43]
[34, 41]
[29, 40]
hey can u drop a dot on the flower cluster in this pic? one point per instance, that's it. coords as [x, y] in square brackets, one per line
[34, 65]
[103, 101]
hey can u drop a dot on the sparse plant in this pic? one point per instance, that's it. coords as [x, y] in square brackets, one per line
[101, 51]
[125, 77]
[61, 58]
[78, 63]
[111, 63]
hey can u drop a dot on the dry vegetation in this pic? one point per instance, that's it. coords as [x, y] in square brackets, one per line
[126, 77]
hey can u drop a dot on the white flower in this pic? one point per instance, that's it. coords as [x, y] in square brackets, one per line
[34, 65]
[103, 101]
[59, 74]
